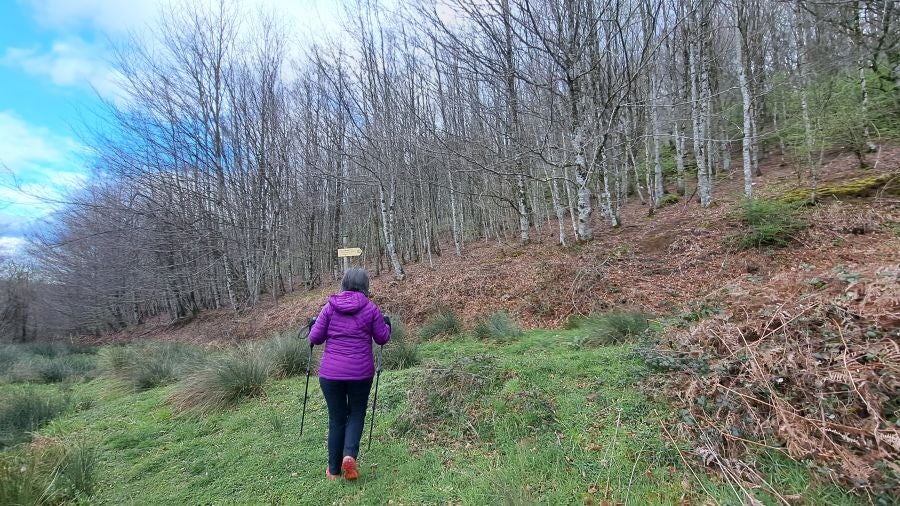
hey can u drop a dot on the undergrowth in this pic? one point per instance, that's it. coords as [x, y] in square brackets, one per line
[48, 475]
[768, 223]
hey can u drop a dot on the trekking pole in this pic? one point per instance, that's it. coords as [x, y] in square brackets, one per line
[375, 397]
[308, 368]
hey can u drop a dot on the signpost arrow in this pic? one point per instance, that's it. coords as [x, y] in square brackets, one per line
[349, 252]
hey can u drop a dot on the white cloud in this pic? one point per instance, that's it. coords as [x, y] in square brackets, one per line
[11, 246]
[68, 62]
[119, 17]
[111, 16]
[38, 167]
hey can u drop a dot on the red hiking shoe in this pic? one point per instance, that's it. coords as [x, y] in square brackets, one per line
[329, 475]
[348, 466]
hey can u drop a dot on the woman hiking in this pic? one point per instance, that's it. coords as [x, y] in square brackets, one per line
[347, 325]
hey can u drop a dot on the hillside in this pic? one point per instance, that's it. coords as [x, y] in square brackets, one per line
[661, 364]
[657, 264]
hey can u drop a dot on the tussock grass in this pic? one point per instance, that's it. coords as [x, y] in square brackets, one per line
[444, 323]
[149, 365]
[400, 353]
[79, 467]
[288, 355]
[224, 381]
[768, 223]
[499, 326]
[46, 362]
[53, 475]
[23, 411]
[609, 328]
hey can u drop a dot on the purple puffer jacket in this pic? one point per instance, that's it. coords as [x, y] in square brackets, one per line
[349, 321]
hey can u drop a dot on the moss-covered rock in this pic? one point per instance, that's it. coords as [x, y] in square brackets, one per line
[860, 187]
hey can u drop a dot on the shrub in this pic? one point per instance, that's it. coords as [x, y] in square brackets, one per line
[444, 323]
[23, 411]
[223, 382]
[768, 223]
[610, 328]
[499, 325]
[288, 355]
[399, 353]
[44, 362]
[114, 358]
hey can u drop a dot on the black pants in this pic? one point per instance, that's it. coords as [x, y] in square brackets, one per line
[347, 401]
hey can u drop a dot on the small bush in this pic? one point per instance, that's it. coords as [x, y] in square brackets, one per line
[223, 382]
[445, 323]
[499, 325]
[115, 358]
[610, 328]
[24, 411]
[288, 355]
[44, 362]
[9, 356]
[768, 223]
[399, 353]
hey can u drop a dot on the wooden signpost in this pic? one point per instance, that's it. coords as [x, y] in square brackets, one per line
[349, 252]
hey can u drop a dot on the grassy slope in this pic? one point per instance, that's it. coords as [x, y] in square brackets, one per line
[605, 444]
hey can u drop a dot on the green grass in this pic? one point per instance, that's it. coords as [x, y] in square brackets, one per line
[24, 409]
[768, 223]
[608, 328]
[550, 426]
[499, 325]
[444, 323]
[224, 381]
[400, 352]
[46, 362]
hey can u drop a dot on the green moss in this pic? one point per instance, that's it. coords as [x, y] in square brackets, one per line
[860, 187]
[668, 200]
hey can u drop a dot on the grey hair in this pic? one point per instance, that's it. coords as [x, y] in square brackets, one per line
[356, 280]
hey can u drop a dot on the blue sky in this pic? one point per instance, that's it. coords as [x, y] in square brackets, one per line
[54, 74]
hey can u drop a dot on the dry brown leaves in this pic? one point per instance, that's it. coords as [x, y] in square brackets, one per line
[807, 360]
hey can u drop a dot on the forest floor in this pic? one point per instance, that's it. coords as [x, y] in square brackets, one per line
[542, 418]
